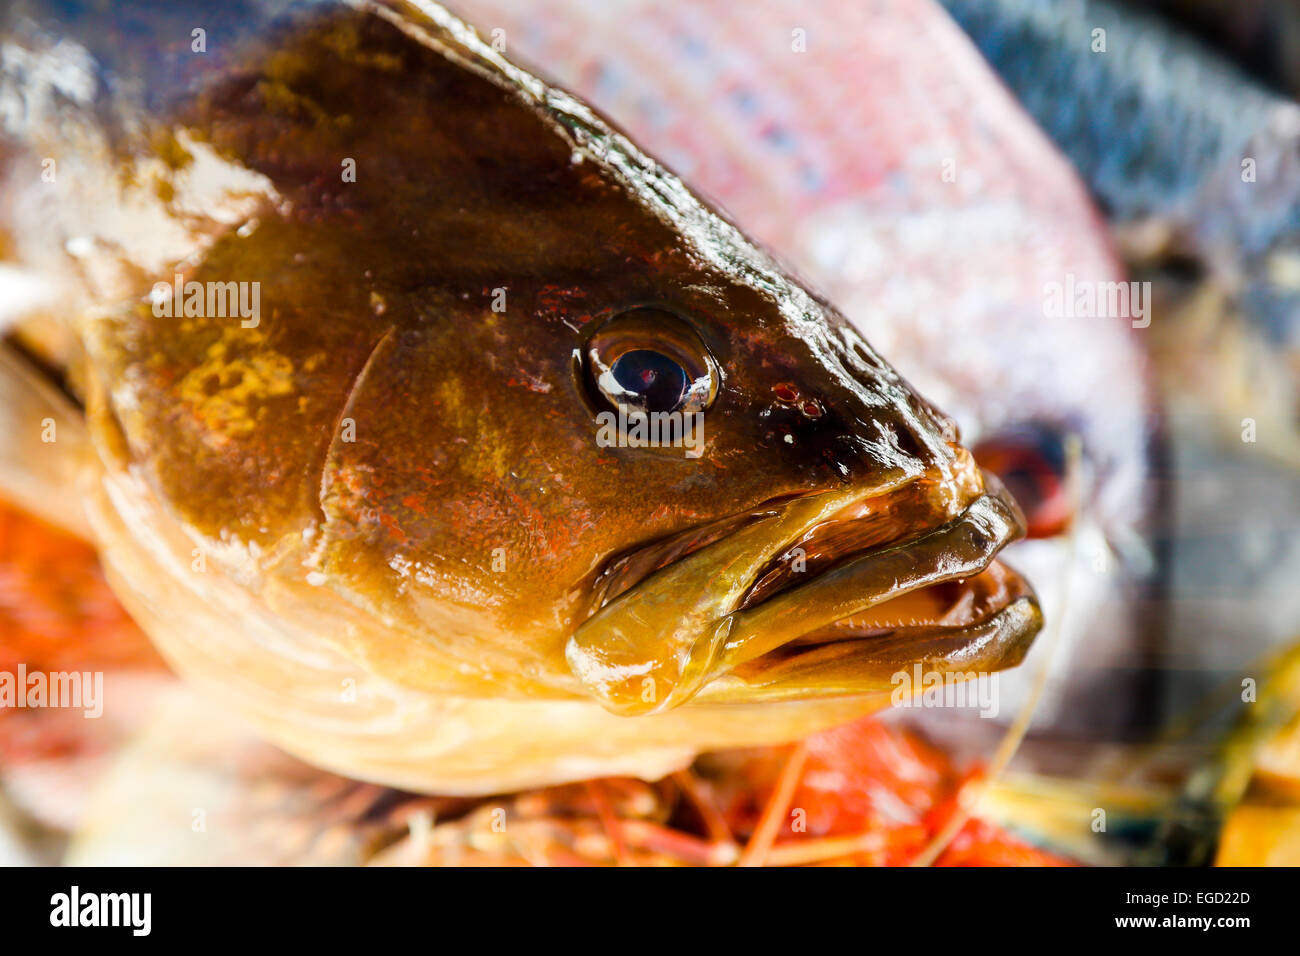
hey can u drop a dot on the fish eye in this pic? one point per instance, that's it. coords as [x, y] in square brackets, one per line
[650, 360]
[647, 378]
[1030, 460]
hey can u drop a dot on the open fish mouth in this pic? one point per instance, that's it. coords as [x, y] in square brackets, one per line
[826, 595]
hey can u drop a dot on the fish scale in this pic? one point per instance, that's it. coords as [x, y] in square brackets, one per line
[1102, 105]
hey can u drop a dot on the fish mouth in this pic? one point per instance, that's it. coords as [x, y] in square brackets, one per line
[820, 596]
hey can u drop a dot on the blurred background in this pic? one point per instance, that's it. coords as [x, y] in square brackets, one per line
[940, 170]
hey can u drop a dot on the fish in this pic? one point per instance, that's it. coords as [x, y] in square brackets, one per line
[940, 247]
[1194, 161]
[1262, 37]
[361, 319]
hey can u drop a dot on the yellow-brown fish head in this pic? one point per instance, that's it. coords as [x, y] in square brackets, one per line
[841, 533]
[555, 427]
[705, 494]
[694, 496]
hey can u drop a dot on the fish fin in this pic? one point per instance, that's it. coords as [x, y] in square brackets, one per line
[44, 445]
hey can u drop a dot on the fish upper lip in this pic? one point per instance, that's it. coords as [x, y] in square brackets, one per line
[710, 634]
[766, 658]
[961, 548]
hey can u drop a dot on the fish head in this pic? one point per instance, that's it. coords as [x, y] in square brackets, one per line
[860, 541]
[659, 497]
[548, 421]
[945, 275]
[618, 452]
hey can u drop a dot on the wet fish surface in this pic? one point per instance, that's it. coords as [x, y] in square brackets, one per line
[1160, 126]
[365, 499]
[937, 217]
[1198, 166]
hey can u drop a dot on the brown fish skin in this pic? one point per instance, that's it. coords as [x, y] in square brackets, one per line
[387, 459]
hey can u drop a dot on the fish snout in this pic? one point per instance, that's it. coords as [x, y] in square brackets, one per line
[866, 422]
[827, 594]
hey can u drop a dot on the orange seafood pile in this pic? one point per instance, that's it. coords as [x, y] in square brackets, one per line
[56, 614]
[56, 609]
[867, 794]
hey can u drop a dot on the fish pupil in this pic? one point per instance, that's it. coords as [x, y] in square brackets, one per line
[660, 382]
